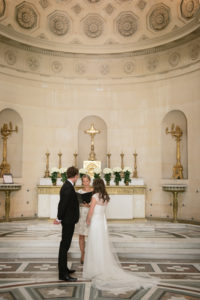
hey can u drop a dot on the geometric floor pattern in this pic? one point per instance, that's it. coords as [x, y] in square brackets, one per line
[25, 279]
[37, 278]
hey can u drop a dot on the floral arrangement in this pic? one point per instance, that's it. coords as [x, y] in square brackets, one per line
[127, 172]
[97, 172]
[82, 172]
[63, 174]
[117, 172]
[107, 174]
[54, 175]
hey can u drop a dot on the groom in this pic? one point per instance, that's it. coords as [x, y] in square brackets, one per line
[68, 215]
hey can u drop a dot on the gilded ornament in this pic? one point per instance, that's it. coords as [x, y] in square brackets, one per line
[92, 132]
[159, 17]
[59, 23]
[127, 24]
[174, 59]
[189, 8]
[2, 7]
[10, 57]
[93, 26]
[129, 67]
[26, 16]
[56, 66]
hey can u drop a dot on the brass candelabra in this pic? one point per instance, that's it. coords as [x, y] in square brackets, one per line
[75, 159]
[47, 173]
[135, 175]
[108, 159]
[59, 162]
[6, 131]
[176, 132]
[122, 160]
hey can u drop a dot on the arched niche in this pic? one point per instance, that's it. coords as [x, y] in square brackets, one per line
[169, 144]
[84, 140]
[14, 142]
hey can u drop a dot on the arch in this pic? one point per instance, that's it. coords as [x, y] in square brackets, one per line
[169, 144]
[84, 141]
[15, 141]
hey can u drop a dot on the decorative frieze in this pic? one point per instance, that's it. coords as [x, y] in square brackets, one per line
[10, 57]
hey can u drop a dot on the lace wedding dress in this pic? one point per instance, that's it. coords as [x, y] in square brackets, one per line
[101, 266]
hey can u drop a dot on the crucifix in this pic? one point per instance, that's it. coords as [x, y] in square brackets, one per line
[92, 132]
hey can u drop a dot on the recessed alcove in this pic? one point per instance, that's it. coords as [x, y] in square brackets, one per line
[14, 142]
[169, 144]
[84, 140]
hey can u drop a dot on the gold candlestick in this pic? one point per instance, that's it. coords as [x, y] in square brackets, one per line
[92, 132]
[122, 160]
[108, 159]
[47, 173]
[75, 159]
[178, 168]
[135, 175]
[59, 162]
[6, 130]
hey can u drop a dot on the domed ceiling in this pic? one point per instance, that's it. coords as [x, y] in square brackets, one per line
[97, 33]
[98, 26]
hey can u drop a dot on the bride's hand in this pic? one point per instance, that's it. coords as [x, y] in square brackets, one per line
[88, 221]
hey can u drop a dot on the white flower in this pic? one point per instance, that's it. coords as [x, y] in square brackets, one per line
[128, 169]
[82, 171]
[55, 170]
[117, 170]
[97, 171]
[62, 170]
[107, 171]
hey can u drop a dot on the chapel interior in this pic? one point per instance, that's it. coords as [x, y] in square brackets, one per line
[130, 69]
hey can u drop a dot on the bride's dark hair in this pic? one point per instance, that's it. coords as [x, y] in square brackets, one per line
[99, 187]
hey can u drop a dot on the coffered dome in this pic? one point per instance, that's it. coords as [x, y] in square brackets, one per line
[99, 38]
[98, 26]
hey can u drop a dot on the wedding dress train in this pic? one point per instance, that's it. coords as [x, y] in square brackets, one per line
[101, 266]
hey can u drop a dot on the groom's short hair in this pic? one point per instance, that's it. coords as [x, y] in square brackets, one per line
[72, 172]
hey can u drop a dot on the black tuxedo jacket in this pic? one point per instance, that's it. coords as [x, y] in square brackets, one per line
[68, 206]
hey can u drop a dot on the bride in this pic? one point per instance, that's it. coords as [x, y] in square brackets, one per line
[100, 265]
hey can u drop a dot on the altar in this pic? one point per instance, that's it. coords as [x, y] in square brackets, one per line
[126, 202]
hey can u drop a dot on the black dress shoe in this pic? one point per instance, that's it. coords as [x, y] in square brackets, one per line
[71, 271]
[67, 278]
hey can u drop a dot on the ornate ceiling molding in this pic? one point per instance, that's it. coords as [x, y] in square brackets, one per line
[88, 26]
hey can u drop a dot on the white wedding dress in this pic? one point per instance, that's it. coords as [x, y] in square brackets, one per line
[101, 266]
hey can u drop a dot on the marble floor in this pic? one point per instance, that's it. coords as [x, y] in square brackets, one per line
[28, 273]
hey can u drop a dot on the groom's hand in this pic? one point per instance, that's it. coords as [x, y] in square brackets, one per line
[56, 222]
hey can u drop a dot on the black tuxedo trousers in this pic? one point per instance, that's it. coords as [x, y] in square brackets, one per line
[68, 213]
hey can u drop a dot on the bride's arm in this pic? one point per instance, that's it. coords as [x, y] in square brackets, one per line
[91, 210]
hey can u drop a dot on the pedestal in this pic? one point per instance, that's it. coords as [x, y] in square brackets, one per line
[174, 189]
[7, 189]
